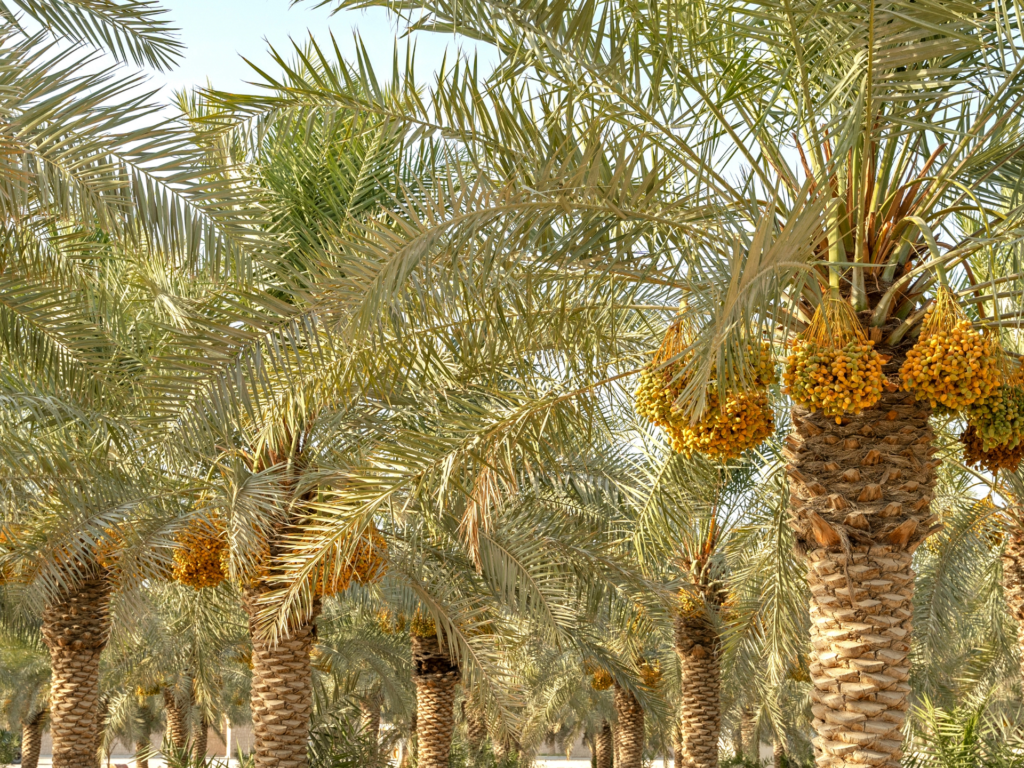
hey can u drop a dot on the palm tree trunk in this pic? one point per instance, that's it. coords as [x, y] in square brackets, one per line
[369, 716]
[677, 745]
[603, 747]
[199, 739]
[859, 504]
[631, 729]
[31, 740]
[698, 648]
[142, 750]
[177, 720]
[75, 630]
[282, 692]
[748, 735]
[476, 729]
[436, 678]
[778, 752]
[1013, 582]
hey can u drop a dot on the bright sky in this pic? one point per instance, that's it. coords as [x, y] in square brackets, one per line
[218, 33]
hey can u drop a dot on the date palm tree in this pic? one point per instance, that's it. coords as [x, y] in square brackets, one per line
[852, 195]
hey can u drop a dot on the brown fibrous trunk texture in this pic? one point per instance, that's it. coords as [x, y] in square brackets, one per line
[142, 750]
[698, 647]
[177, 719]
[678, 758]
[436, 678]
[631, 729]
[200, 738]
[1013, 582]
[604, 747]
[859, 505]
[31, 741]
[282, 690]
[476, 729]
[369, 716]
[778, 752]
[75, 629]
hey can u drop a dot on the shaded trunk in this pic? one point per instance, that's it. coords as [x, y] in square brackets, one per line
[500, 751]
[31, 741]
[142, 752]
[1013, 582]
[476, 730]
[282, 693]
[631, 729]
[177, 720]
[698, 648]
[859, 505]
[677, 745]
[369, 716]
[369, 721]
[75, 630]
[748, 735]
[436, 678]
[603, 747]
[199, 739]
[778, 753]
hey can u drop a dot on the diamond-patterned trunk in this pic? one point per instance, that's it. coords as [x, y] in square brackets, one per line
[177, 719]
[75, 630]
[200, 739]
[436, 678]
[630, 715]
[778, 753]
[31, 741]
[1013, 581]
[604, 746]
[698, 648]
[476, 730]
[859, 505]
[282, 693]
[142, 750]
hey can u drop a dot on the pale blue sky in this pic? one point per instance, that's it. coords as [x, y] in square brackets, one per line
[217, 33]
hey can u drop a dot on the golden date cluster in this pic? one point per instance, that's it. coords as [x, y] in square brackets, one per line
[200, 557]
[952, 368]
[834, 380]
[731, 422]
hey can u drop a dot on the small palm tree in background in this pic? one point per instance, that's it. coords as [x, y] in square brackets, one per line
[24, 690]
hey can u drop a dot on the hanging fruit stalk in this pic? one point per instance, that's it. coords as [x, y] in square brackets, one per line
[952, 365]
[365, 563]
[732, 422]
[199, 559]
[833, 367]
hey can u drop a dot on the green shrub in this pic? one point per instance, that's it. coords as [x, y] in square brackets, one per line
[9, 747]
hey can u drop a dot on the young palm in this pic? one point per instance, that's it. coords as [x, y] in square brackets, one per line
[24, 690]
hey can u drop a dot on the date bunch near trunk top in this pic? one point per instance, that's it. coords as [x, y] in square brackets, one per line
[833, 366]
[200, 558]
[732, 421]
